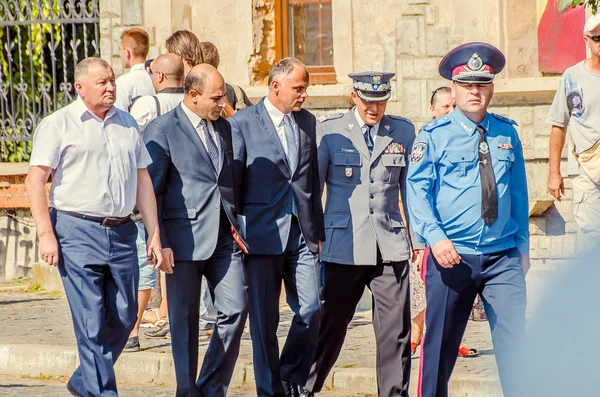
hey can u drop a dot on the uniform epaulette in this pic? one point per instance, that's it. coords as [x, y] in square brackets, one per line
[436, 123]
[331, 116]
[394, 117]
[505, 119]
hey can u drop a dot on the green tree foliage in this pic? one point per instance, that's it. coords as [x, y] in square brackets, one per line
[592, 4]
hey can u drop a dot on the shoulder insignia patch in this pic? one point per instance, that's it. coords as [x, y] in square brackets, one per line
[436, 123]
[418, 151]
[394, 117]
[332, 116]
[504, 119]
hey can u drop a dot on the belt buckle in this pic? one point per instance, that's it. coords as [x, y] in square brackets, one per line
[109, 221]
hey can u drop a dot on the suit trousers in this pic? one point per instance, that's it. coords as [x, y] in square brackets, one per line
[343, 287]
[99, 270]
[300, 270]
[225, 276]
[500, 280]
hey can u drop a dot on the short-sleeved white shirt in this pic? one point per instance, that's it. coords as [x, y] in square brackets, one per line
[144, 109]
[94, 162]
[136, 82]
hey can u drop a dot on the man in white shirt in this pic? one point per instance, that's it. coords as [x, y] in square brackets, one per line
[166, 75]
[98, 162]
[134, 47]
[167, 79]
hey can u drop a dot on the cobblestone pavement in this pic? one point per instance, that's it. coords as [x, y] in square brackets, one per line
[11, 386]
[44, 318]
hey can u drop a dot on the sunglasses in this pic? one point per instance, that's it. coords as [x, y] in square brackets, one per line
[595, 39]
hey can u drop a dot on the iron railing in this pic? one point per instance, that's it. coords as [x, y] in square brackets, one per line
[41, 42]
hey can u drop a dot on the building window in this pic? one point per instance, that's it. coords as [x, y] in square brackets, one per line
[304, 31]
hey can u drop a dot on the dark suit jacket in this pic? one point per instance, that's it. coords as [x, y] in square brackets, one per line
[266, 186]
[189, 194]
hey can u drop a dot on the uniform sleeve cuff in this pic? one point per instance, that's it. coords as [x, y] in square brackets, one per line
[435, 237]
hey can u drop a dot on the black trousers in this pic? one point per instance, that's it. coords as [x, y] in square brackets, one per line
[342, 290]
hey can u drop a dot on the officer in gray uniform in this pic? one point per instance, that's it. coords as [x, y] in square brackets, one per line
[362, 161]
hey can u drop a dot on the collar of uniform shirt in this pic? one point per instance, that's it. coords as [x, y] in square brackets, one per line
[275, 114]
[80, 110]
[469, 125]
[361, 123]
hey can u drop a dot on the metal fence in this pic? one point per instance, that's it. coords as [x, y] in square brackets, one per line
[41, 42]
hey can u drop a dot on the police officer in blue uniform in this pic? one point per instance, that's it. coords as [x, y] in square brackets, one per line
[467, 196]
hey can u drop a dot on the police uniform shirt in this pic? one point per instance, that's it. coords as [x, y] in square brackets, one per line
[444, 186]
[94, 162]
[136, 82]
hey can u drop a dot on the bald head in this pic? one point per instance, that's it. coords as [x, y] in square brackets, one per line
[205, 91]
[199, 75]
[170, 65]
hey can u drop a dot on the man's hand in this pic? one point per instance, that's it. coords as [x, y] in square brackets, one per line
[556, 186]
[49, 248]
[155, 254]
[168, 260]
[526, 263]
[417, 258]
[320, 246]
[446, 254]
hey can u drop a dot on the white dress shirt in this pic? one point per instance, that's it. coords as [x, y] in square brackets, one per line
[136, 82]
[362, 126]
[277, 118]
[144, 108]
[94, 162]
[195, 120]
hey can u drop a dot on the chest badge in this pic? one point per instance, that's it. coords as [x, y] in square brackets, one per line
[505, 146]
[387, 127]
[484, 148]
[349, 172]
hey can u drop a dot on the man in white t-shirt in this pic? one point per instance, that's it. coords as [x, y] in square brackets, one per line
[134, 47]
[577, 105]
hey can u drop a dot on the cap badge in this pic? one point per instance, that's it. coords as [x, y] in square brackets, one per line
[376, 78]
[475, 63]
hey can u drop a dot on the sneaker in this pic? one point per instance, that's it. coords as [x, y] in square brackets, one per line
[160, 332]
[132, 345]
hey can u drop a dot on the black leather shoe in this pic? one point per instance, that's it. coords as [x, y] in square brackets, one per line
[306, 393]
[291, 389]
[72, 390]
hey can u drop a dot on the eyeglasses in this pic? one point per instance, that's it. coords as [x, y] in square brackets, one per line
[595, 39]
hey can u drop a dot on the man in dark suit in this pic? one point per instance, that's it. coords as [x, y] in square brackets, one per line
[192, 173]
[275, 152]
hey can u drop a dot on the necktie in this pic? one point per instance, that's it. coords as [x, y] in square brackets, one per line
[489, 197]
[369, 138]
[211, 146]
[290, 138]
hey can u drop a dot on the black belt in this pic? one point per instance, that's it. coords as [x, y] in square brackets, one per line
[104, 221]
